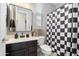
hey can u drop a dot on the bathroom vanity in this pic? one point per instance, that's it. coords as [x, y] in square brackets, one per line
[22, 47]
[20, 22]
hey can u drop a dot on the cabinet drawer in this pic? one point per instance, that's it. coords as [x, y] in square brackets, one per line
[16, 46]
[32, 43]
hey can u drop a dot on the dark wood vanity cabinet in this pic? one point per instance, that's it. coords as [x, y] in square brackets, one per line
[22, 49]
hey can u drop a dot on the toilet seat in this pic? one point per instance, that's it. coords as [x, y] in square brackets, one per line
[45, 47]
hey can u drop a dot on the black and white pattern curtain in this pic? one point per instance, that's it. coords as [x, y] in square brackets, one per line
[63, 30]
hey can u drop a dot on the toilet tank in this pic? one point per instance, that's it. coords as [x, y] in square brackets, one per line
[41, 40]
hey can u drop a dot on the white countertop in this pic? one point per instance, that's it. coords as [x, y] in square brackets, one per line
[13, 40]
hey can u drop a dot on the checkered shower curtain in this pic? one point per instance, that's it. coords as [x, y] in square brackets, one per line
[63, 30]
[75, 33]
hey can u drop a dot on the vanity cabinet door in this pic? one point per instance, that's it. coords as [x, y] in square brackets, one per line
[18, 53]
[33, 51]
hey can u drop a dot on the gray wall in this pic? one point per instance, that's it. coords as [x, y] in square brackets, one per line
[43, 9]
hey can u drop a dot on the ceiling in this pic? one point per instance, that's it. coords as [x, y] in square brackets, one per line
[44, 7]
[54, 5]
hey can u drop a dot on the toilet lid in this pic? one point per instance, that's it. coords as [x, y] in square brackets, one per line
[45, 47]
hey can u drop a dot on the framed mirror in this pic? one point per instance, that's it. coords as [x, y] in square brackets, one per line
[19, 19]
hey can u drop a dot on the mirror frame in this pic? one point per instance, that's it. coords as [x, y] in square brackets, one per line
[8, 17]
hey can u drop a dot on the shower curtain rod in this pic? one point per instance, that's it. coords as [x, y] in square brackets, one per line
[57, 8]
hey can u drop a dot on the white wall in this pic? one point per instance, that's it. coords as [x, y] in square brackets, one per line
[3, 9]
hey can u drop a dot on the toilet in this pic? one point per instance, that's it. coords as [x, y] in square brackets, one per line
[45, 49]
